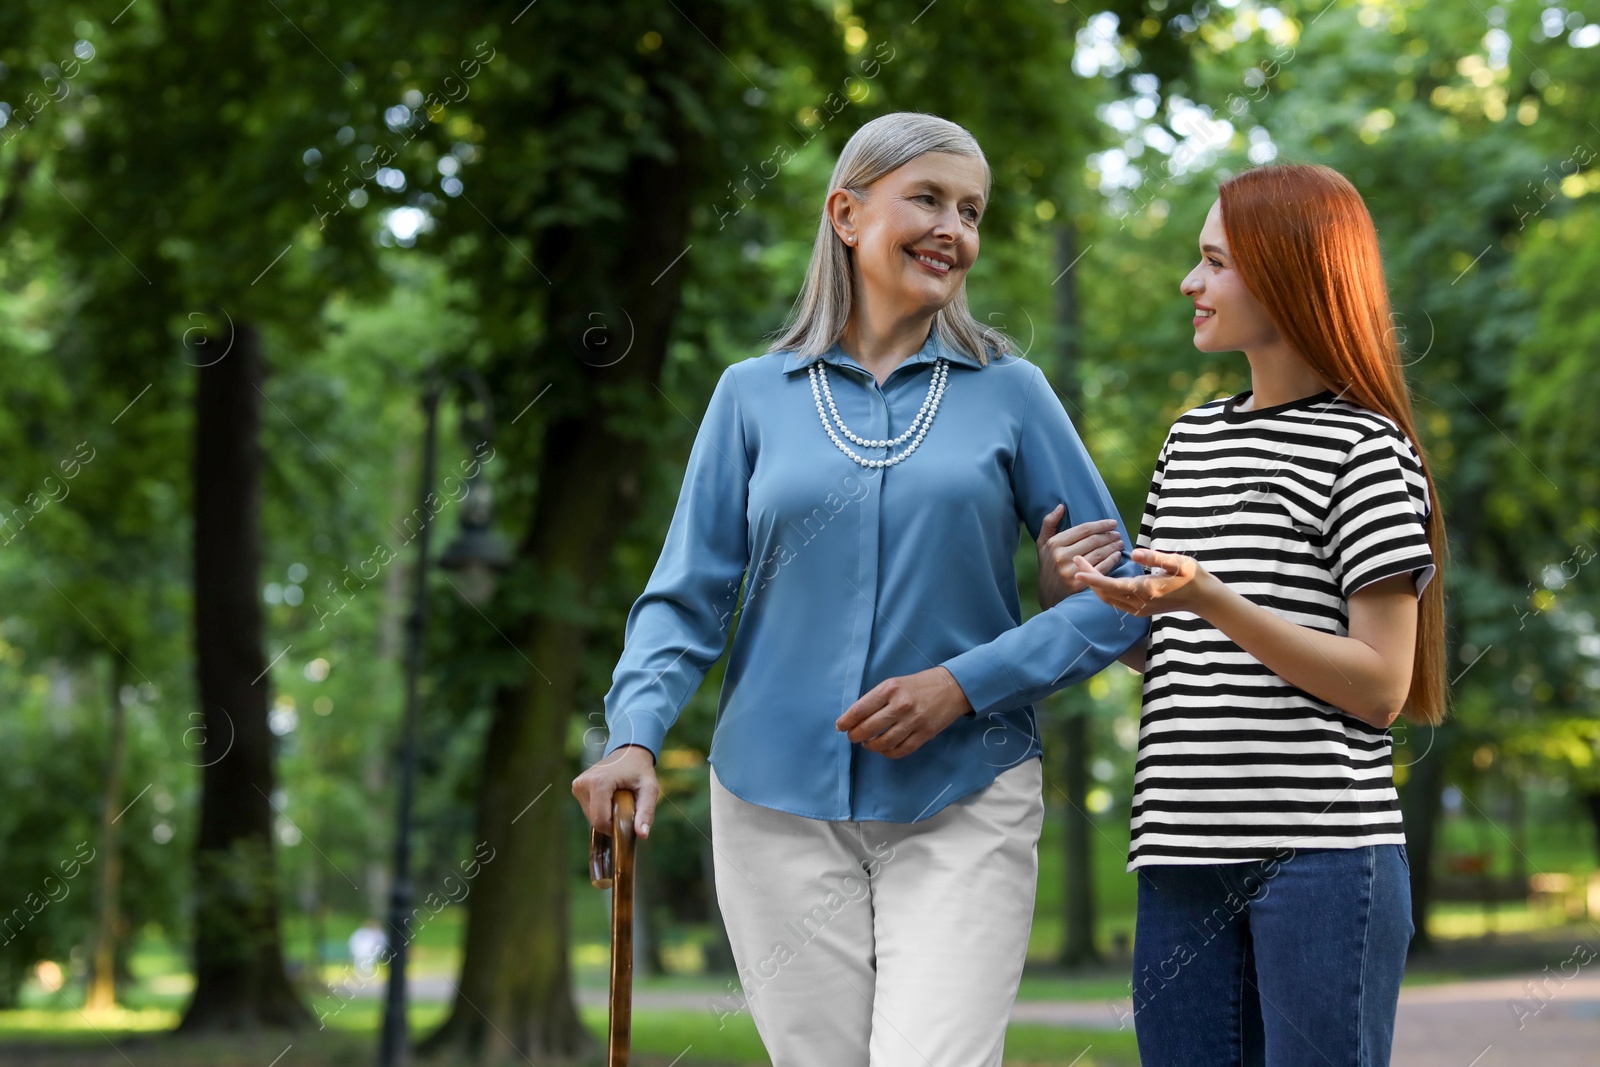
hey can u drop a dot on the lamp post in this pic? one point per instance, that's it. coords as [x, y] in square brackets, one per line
[478, 554]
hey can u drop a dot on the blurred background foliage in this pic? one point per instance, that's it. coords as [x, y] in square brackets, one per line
[587, 206]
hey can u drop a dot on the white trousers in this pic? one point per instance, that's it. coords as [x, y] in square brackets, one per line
[882, 944]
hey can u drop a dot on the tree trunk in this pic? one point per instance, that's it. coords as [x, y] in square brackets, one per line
[1429, 747]
[515, 992]
[102, 994]
[240, 982]
[1591, 803]
[1420, 803]
[514, 995]
[646, 907]
[1078, 860]
[1079, 948]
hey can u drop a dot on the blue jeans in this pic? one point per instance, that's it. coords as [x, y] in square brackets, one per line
[1295, 960]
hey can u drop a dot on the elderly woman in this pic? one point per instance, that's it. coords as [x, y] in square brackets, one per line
[876, 795]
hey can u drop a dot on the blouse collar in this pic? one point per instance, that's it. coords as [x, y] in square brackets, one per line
[933, 349]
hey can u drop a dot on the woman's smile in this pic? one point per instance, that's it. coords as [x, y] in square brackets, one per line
[935, 262]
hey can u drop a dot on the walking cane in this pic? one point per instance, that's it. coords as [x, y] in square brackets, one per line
[611, 867]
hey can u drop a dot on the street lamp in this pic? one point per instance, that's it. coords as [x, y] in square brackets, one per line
[478, 555]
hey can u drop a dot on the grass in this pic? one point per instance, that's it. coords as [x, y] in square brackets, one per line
[686, 1039]
[49, 1029]
[669, 1033]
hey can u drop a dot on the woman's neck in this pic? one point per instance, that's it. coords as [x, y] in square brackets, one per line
[880, 343]
[1280, 375]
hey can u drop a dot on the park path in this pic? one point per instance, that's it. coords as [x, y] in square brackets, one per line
[1483, 1023]
[1497, 1022]
[1536, 1019]
[1501, 1023]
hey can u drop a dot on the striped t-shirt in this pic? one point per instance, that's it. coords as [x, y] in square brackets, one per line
[1295, 507]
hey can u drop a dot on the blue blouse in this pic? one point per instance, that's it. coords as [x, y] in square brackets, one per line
[852, 575]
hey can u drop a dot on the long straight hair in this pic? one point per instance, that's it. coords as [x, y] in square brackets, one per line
[1305, 246]
[822, 309]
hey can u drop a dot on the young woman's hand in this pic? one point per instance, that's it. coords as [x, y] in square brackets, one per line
[629, 767]
[1175, 583]
[1097, 541]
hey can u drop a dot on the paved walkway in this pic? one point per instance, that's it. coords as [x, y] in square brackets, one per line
[1537, 1020]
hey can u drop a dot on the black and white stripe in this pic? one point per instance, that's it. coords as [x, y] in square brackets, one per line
[1296, 507]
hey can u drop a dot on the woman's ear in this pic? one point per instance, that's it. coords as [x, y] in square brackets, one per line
[842, 214]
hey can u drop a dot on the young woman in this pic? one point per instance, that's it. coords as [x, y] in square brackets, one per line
[875, 786]
[1291, 533]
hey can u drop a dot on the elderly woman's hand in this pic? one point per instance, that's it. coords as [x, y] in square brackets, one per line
[900, 715]
[1097, 541]
[629, 767]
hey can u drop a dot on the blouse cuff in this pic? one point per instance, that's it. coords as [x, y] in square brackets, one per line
[985, 678]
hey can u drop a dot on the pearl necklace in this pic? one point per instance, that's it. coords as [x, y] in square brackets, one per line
[919, 425]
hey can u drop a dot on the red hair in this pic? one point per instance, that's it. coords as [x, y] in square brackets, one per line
[1305, 246]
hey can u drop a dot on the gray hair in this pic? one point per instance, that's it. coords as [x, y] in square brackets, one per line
[822, 309]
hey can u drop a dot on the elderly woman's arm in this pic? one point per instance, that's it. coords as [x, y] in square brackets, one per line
[1072, 640]
[679, 625]
[1099, 543]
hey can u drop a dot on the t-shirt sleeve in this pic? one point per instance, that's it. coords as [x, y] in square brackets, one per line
[1377, 515]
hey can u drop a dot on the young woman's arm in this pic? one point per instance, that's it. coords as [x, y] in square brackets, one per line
[1366, 674]
[1376, 537]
